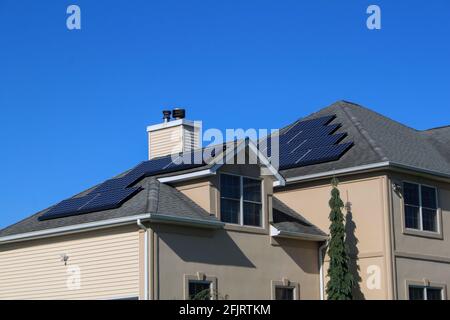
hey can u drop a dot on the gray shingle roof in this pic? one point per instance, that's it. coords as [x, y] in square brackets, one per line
[378, 139]
[286, 219]
[156, 198]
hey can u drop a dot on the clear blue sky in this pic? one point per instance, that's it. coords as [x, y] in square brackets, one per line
[75, 104]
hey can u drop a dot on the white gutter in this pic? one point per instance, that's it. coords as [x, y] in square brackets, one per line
[337, 172]
[188, 176]
[159, 218]
[72, 229]
[274, 232]
[146, 287]
[321, 275]
[372, 166]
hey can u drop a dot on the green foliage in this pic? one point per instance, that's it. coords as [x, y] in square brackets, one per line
[202, 295]
[340, 284]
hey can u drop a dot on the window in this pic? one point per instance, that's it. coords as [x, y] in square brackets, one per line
[420, 207]
[424, 293]
[199, 290]
[240, 200]
[285, 290]
[284, 293]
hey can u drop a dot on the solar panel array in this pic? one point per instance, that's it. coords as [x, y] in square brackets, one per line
[308, 142]
[304, 143]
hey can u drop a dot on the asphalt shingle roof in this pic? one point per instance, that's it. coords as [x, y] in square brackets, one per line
[156, 198]
[378, 139]
[286, 219]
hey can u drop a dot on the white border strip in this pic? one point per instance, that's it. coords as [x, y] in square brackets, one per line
[157, 218]
[372, 166]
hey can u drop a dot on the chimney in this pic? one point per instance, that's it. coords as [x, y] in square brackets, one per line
[174, 135]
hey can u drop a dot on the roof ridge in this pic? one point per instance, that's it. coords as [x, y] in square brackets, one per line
[364, 133]
[436, 128]
[153, 195]
[345, 102]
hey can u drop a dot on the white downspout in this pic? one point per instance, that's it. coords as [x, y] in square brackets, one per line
[321, 260]
[146, 287]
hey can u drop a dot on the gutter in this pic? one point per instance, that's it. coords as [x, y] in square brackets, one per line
[97, 225]
[146, 286]
[190, 175]
[337, 172]
[274, 232]
[322, 250]
[367, 167]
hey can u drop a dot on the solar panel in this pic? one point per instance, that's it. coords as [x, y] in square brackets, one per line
[108, 200]
[313, 156]
[307, 142]
[312, 123]
[66, 207]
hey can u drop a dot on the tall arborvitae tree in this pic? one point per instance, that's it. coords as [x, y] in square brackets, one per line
[340, 284]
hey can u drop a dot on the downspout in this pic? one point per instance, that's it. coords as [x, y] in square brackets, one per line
[146, 287]
[322, 248]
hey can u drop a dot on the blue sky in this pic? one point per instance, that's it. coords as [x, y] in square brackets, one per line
[75, 104]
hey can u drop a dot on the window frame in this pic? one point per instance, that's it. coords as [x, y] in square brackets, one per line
[200, 277]
[420, 231]
[425, 289]
[242, 201]
[285, 283]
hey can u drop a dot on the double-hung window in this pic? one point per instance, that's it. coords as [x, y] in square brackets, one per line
[240, 200]
[424, 293]
[420, 207]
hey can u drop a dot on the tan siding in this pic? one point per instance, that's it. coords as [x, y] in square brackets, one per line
[108, 260]
[165, 142]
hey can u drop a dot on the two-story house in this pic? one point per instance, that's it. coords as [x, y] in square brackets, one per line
[173, 230]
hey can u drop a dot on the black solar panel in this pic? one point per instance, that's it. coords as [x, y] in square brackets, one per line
[306, 157]
[305, 143]
[108, 200]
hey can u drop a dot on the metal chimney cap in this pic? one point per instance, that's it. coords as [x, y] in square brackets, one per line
[166, 115]
[178, 113]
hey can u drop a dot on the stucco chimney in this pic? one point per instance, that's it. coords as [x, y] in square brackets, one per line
[173, 135]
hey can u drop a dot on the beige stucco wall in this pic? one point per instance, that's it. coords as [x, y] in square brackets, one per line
[243, 263]
[244, 260]
[367, 225]
[421, 257]
[197, 190]
[108, 261]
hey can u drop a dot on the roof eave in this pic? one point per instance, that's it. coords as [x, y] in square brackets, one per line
[276, 233]
[365, 168]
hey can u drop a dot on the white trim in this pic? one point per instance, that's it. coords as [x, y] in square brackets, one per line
[158, 218]
[274, 232]
[173, 123]
[280, 180]
[322, 248]
[336, 172]
[207, 172]
[191, 175]
[72, 229]
[146, 285]
[356, 169]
